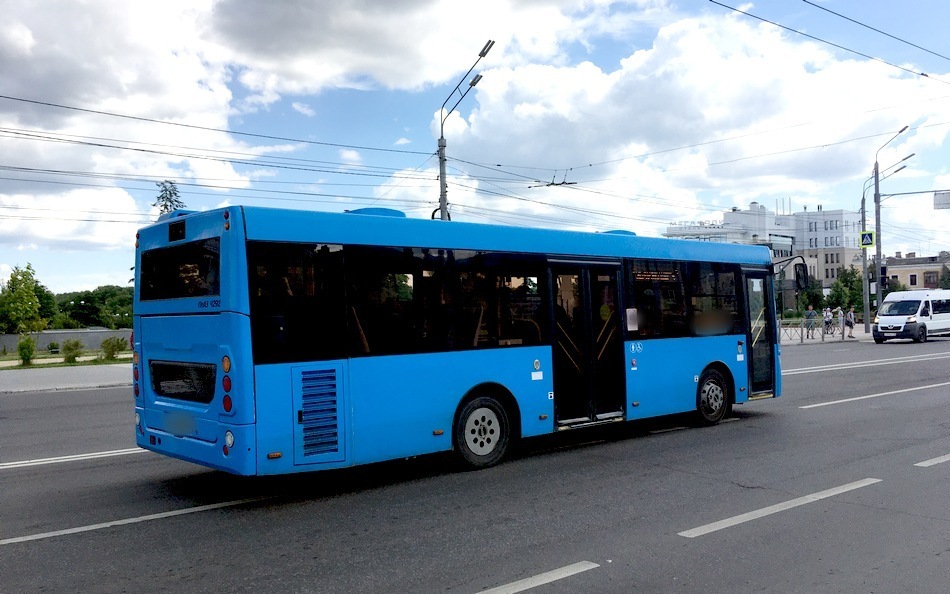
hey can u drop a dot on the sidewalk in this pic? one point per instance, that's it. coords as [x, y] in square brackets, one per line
[38, 378]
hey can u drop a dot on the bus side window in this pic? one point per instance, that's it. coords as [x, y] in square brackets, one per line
[657, 293]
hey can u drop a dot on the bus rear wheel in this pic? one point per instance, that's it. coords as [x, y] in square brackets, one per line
[713, 401]
[482, 432]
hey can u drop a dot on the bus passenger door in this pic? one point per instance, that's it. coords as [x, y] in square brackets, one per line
[588, 344]
[761, 336]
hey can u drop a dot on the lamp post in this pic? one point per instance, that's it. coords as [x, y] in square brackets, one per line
[877, 217]
[443, 115]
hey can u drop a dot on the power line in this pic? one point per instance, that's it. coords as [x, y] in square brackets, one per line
[207, 128]
[841, 47]
[877, 30]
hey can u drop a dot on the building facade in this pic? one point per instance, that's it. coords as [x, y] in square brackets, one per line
[918, 272]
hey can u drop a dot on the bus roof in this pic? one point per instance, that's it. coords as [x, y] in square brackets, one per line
[372, 228]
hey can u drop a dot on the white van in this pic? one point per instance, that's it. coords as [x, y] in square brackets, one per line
[913, 314]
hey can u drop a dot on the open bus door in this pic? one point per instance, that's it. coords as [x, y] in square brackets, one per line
[761, 335]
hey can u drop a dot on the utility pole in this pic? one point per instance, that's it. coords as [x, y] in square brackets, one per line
[864, 267]
[443, 115]
[877, 217]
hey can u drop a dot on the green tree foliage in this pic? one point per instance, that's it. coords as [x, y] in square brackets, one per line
[851, 278]
[19, 305]
[168, 199]
[892, 286]
[111, 347]
[72, 348]
[812, 295]
[945, 279]
[839, 295]
[108, 306]
[26, 349]
[48, 307]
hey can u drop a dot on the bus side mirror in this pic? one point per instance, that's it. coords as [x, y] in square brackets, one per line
[801, 276]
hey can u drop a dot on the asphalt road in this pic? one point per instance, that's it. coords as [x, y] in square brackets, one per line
[838, 486]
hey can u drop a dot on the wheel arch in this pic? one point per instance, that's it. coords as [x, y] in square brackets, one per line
[727, 375]
[498, 392]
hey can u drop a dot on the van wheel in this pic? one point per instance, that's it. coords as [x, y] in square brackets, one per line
[482, 432]
[878, 340]
[921, 334]
[713, 401]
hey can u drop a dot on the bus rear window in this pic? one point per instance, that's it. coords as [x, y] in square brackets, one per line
[185, 270]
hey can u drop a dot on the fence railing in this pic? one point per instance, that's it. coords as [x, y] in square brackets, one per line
[800, 329]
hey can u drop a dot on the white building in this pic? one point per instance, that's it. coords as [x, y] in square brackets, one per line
[828, 239]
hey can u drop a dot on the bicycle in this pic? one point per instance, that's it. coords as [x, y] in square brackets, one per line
[830, 329]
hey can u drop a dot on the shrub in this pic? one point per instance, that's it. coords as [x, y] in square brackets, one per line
[26, 348]
[112, 346]
[53, 347]
[72, 348]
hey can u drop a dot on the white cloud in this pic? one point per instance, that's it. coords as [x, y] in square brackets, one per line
[303, 108]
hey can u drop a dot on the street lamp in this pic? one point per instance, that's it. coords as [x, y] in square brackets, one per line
[443, 115]
[877, 216]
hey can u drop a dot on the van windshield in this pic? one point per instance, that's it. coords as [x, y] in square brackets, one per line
[900, 308]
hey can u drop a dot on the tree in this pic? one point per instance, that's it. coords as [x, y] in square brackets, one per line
[839, 295]
[851, 279]
[945, 279]
[168, 199]
[19, 305]
[48, 308]
[812, 295]
[893, 285]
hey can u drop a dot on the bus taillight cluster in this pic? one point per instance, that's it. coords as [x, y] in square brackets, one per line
[135, 388]
[226, 402]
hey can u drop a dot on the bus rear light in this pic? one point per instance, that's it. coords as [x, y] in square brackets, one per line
[227, 403]
[226, 383]
[138, 420]
[135, 389]
[225, 450]
[135, 373]
[226, 364]
[135, 357]
[229, 439]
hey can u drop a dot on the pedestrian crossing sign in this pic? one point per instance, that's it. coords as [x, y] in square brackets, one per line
[867, 239]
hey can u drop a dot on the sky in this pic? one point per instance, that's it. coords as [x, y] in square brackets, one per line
[590, 114]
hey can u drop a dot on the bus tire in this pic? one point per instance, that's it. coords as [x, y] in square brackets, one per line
[713, 401]
[482, 432]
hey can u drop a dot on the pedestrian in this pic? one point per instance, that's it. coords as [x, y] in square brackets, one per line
[810, 316]
[828, 319]
[840, 313]
[849, 322]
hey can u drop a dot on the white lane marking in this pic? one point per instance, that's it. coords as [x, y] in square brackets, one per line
[126, 521]
[891, 393]
[72, 458]
[773, 509]
[542, 578]
[879, 362]
[933, 461]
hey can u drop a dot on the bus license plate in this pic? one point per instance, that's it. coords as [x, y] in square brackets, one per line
[179, 423]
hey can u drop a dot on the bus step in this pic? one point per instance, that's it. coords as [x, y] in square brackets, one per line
[761, 395]
[581, 423]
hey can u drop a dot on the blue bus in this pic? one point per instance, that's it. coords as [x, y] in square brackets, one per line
[271, 341]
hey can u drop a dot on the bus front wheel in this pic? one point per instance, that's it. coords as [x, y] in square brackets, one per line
[482, 432]
[713, 402]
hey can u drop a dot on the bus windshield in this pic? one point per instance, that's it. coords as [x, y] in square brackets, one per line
[900, 308]
[184, 270]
